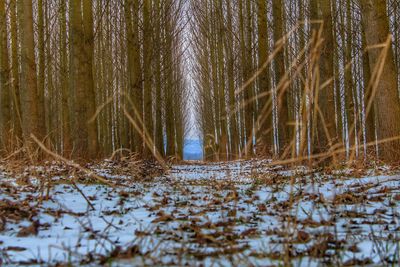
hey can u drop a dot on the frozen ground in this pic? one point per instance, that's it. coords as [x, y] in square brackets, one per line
[240, 213]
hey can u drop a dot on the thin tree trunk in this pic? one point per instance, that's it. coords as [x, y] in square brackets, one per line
[5, 115]
[77, 79]
[264, 84]
[248, 111]
[284, 130]
[326, 128]
[41, 66]
[65, 96]
[370, 111]
[233, 122]
[147, 71]
[88, 77]
[15, 72]
[29, 87]
[159, 136]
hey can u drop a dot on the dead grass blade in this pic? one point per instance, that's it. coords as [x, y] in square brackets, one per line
[72, 163]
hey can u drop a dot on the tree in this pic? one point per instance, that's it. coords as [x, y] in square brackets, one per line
[229, 51]
[223, 136]
[81, 77]
[246, 63]
[159, 136]
[279, 71]
[16, 99]
[387, 104]
[29, 86]
[369, 103]
[41, 66]
[65, 99]
[5, 115]
[87, 66]
[147, 81]
[135, 91]
[325, 100]
[266, 127]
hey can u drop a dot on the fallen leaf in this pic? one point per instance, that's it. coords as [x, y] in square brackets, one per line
[163, 218]
[303, 237]
[28, 231]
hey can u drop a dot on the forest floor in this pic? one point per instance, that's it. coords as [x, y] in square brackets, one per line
[245, 213]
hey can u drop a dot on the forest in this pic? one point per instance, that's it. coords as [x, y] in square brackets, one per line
[292, 105]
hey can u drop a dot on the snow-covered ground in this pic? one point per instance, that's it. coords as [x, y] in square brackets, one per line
[239, 213]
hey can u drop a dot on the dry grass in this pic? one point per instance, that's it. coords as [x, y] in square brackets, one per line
[305, 67]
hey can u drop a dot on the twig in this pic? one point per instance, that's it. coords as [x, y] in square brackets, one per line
[71, 163]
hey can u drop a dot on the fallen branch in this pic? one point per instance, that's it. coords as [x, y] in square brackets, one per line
[71, 163]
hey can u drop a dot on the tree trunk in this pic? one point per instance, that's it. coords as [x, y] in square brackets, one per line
[29, 87]
[65, 96]
[223, 139]
[264, 86]
[245, 50]
[17, 113]
[387, 103]
[135, 93]
[159, 133]
[41, 66]
[88, 77]
[77, 81]
[5, 115]
[147, 74]
[229, 51]
[370, 107]
[325, 123]
[284, 132]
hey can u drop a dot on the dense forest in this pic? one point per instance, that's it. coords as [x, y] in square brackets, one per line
[291, 78]
[294, 105]
[89, 78]
[285, 78]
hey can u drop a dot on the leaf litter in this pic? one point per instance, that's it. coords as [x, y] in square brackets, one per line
[238, 213]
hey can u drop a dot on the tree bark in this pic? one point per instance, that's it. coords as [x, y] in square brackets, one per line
[147, 77]
[41, 66]
[325, 100]
[264, 84]
[229, 51]
[29, 86]
[77, 81]
[65, 96]
[88, 53]
[284, 131]
[387, 104]
[16, 98]
[5, 116]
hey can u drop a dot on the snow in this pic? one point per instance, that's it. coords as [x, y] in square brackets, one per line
[197, 212]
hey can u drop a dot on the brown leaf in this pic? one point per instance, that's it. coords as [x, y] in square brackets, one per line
[202, 238]
[28, 231]
[232, 213]
[249, 232]
[165, 201]
[354, 248]
[232, 195]
[2, 224]
[14, 248]
[163, 218]
[303, 237]
[262, 207]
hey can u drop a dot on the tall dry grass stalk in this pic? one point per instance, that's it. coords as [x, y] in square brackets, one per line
[137, 123]
[305, 67]
[71, 163]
